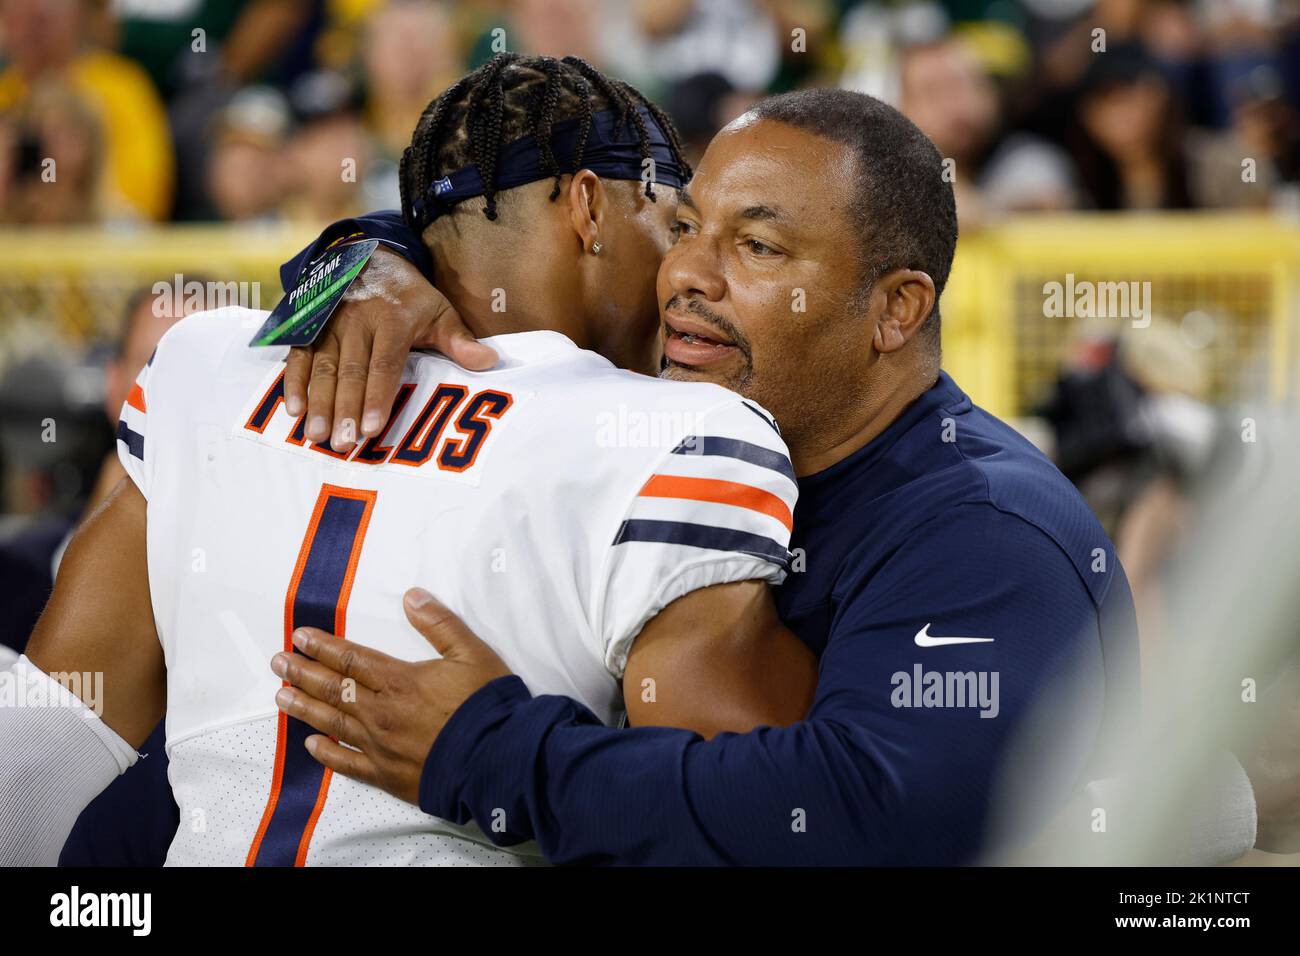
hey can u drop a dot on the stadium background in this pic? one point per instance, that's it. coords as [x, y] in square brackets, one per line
[1114, 141]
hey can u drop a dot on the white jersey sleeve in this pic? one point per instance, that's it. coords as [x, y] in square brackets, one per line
[717, 508]
[132, 427]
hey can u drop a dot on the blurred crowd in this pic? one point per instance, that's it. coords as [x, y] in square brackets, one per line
[270, 110]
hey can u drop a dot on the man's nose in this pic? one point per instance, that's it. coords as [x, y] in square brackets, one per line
[694, 269]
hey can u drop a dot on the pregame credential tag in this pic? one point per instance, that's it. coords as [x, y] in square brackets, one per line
[300, 315]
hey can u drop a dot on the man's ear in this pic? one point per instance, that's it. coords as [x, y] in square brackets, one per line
[909, 299]
[587, 204]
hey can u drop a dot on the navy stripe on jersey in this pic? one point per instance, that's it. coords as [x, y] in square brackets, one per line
[703, 536]
[735, 448]
[134, 440]
[315, 604]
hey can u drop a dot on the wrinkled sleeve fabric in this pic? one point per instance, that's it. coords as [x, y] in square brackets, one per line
[873, 776]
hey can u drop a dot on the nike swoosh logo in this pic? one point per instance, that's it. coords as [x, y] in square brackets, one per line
[923, 639]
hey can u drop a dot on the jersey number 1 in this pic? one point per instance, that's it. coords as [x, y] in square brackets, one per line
[317, 597]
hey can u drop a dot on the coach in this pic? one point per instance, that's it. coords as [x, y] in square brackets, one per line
[975, 630]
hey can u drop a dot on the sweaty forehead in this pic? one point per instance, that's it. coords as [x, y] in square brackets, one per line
[766, 163]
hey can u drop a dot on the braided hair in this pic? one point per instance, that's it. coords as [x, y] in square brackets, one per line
[509, 97]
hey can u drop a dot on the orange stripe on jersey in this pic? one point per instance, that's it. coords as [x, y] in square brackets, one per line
[305, 844]
[135, 398]
[719, 492]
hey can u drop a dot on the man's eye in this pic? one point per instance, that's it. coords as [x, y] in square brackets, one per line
[681, 228]
[759, 248]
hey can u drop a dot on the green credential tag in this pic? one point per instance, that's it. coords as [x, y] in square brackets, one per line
[300, 315]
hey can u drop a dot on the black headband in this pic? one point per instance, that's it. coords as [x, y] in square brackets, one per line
[612, 151]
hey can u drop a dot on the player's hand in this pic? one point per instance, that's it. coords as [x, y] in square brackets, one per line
[350, 374]
[390, 710]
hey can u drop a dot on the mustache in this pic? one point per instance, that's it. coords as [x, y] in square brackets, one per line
[697, 308]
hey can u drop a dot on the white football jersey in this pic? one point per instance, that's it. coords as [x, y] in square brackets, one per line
[556, 503]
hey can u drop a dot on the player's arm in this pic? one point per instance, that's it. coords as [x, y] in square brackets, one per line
[100, 619]
[719, 659]
[95, 668]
